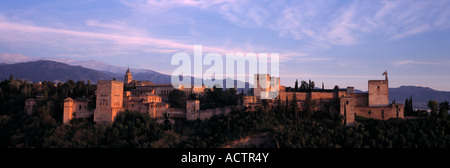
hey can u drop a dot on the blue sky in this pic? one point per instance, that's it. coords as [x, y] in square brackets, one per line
[337, 42]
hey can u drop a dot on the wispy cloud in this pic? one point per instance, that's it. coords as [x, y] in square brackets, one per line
[14, 58]
[355, 20]
[18, 32]
[415, 30]
[415, 62]
[401, 19]
[159, 6]
[320, 22]
[284, 57]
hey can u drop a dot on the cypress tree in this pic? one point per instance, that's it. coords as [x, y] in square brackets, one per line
[11, 77]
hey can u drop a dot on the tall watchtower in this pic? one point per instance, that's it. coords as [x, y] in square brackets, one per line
[109, 101]
[266, 86]
[379, 92]
[127, 78]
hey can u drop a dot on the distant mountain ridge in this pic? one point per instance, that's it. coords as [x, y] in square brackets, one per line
[420, 95]
[46, 70]
[119, 72]
[42, 70]
[110, 70]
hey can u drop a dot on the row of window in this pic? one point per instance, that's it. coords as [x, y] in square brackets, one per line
[106, 103]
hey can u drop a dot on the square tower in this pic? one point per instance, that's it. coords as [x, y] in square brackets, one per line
[266, 86]
[192, 109]
[347, 109]
[109, 101]
[262, 85]
[378, 93]
[69, 108]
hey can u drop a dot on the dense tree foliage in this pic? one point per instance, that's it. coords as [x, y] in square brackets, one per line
[433, 105]
[443, 109]
[13, 94]
[177, 99]
[336, 87]
[218, 97]
[296, 86]
[409, 111]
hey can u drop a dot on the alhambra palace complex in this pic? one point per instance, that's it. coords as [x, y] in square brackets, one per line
[147, 97]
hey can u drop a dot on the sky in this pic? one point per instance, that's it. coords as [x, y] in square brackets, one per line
[336, 42]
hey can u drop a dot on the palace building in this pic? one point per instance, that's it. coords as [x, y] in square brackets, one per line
[373, 104]
[111, 98]
[150, 98]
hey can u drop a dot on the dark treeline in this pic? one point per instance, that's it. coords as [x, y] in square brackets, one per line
[14, 92]
[218, 97]
[304, 86]
[133, 129]
[212, 98]
[436, 109]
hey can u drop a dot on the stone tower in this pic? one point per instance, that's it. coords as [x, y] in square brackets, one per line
[266, 86]
[378, 93]
[127, 78]
[347, 110]
[262, 85]
[109, 101]
[69, 107]
[192, 109]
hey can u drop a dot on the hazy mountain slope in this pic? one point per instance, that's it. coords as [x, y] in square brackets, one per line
[420, 95]
[50, 71]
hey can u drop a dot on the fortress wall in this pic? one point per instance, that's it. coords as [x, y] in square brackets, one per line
[158, 112]
[381, 113]
[341, 93]
[300, 96]
[322, 96]
[176, 112]
[208, 113]
[84, 111]
[362, 99]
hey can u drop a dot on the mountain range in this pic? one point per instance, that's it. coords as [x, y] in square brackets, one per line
[47, 70]
[111, 70]
[37, 71]
[420, 95]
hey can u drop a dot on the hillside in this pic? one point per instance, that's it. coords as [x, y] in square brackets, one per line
[420, 95]
[118, 71]
[50, 71]
[45, 70]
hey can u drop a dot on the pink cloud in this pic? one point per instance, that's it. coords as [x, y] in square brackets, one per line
[23, 32]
